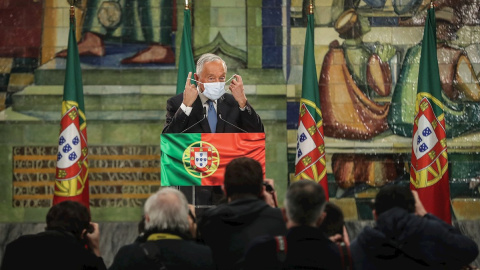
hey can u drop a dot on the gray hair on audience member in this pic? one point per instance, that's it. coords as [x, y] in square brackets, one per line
[304, 202]
[206, 58]
[167, 209]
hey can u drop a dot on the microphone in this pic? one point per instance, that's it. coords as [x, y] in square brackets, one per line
[204, 116]
[220, 116]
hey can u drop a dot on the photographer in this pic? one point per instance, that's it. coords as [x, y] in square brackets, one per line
[229, 227]
[407, 237]
[333, 224]
[304, 246]
[70, 241]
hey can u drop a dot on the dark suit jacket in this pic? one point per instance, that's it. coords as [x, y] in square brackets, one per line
[230, 118]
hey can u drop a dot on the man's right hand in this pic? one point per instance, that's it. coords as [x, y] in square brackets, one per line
[93, 239]
[419, 209]
[190, 93]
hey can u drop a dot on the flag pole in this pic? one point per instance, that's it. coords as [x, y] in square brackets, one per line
[186, 5]
[72, 13]
[429, 159]
[310, 161]
[71, 176]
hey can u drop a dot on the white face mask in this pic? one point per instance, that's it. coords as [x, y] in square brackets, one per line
[214, 90]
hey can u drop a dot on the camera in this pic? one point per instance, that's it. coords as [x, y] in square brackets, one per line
[90, 228]
[268, 187]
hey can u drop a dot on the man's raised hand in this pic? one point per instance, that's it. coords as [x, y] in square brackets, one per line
[190, 93]
[238, 92]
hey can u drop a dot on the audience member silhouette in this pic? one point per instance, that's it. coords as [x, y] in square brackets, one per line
[333, 225]
[167, 242]
[229, 227]
[407, 237]
[305, 245]
[70, 241]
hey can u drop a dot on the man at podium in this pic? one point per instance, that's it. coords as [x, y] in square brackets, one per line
[206, 108]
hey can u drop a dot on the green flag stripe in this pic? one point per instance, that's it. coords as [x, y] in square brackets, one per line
[73, 86]
[173, 171]
[186, 63]
[428, 78]
[309, 79]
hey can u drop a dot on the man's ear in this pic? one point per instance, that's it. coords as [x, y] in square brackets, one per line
[195, 76]
[321, 218]
[374, 213]
[84, 232]
[147, 218]
[224, 190]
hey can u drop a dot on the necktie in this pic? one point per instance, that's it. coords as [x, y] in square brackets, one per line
[212, 116]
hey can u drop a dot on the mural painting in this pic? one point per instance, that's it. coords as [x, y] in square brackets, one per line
[368, 93]
[367, 55]
[127, 32]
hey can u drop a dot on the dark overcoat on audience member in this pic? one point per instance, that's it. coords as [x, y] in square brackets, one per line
[51, 249]
[406, 241]
[229, 228]
[307, 248]
[178, 254]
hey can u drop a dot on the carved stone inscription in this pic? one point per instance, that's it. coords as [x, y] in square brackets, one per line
[119, 176]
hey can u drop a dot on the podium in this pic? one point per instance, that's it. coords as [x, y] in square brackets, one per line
[199, 159]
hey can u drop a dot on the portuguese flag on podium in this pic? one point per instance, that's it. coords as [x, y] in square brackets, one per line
[310, 162]
[71, 175]
[199, 159]
[429, 168]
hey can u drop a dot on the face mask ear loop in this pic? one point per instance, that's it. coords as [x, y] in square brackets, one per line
[195, 80]
[233, 76]
[230, 78]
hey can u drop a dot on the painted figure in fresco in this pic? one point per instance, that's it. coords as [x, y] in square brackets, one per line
[372, 170]
[461, 87]
[400, 7]
[351, 77]
[129, 22]
[469, 10]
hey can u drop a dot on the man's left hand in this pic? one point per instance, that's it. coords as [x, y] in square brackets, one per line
[236, 87]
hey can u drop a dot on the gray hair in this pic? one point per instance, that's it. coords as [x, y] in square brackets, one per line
[304, 202]
[167, 209]
[206, 58]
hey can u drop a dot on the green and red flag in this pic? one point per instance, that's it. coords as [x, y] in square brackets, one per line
[199, 159]
[429, 164]
[310, 162]
[71, 177]
[186, 63]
